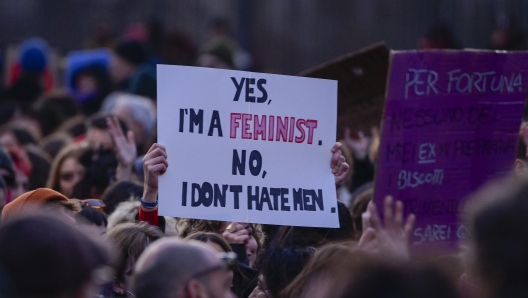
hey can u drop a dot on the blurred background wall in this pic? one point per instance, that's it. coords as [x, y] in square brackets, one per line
[285, 36]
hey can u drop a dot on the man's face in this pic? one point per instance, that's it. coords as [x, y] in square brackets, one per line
[218, 284]
[99, 139]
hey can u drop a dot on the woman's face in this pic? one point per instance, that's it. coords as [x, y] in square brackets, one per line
[71, 171]
[251, 247]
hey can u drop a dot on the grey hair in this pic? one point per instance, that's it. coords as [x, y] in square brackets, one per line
[142, 109]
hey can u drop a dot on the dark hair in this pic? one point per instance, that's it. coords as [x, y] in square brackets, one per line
[279, 266]
[53, 110]
[98, 120]
[22, 136]
[91, 215]
[98, 175]
[211, 237]
[388, 280]
[240, 281]
[41, 165]
[442, 36]
[45, 257]
[308, 236]
[358, 208]
[499, 231]
[134, 52]
[121, 191]
[54, 143]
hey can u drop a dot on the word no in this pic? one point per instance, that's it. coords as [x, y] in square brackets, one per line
[239, 163]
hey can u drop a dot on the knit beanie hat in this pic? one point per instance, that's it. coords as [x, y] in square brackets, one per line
[34, 54]
[35, 197]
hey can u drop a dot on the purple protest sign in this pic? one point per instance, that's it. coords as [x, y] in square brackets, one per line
[451, 123]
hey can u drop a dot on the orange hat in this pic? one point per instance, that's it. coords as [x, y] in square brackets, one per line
[34, 197]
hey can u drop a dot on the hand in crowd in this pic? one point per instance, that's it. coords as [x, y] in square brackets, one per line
[338, 164]
[236, 233]
[124, 147]
[391, 239]
[154, 165]
[360, 145]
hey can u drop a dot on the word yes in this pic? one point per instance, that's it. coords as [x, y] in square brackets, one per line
[250, 96]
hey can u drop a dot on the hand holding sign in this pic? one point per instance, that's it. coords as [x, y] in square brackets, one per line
[338, 164]
[154, 165]
[264, 138]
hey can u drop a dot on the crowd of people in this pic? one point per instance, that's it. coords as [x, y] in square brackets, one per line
[79, 171]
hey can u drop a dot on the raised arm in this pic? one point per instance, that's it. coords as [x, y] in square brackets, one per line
[124, 148]
[154, 165]
[391, 239]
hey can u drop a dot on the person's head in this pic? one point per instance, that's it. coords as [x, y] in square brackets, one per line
[219, 26]
[215, 241]
[16, 136]
[220, 245]
[22, 167]
[173, 267]
[127, 56]
[99, 173]
[91, 217]
[138, 112]
[278, 266]
[90, 85]
[97, 134]
[219, 56]
[438, 36]
[52, 110]
[252, 243]
[40, 167]
[54, 143]
[379, 279]
[188, 226]
[43, 257]
[66, 169]
[315, 237]
[34, 55]
[358, 208]
[43, 200]
[318, 273]
[121, 191]
[129, 241]
[497, 216]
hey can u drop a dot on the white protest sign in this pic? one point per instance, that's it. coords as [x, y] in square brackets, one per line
[247, 147]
